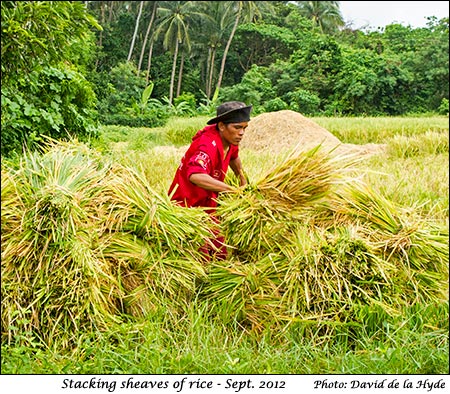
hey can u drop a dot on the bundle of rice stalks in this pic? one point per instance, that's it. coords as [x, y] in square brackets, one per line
[301, 179]
[338, 269]
[312, 275]
[53, 284]
[310, 252]
[247, 293]
[296, 189]
[84, 242]
[153, 243]
[417, 247]
[134, 206]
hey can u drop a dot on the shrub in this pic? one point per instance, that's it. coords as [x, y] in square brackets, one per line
[54, 102]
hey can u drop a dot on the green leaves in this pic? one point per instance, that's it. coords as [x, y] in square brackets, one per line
[56, 102]
[35, 34]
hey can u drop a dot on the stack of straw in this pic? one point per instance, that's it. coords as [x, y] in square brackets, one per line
[85, 243]
[313, 243]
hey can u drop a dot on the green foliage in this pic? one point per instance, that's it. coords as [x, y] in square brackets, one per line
[303, 101]
[38, 33]
[443, 108]
[371, 84]
[276, 104]
[416, 59]
[113, 46]
[42, 91]
[379, 74]
[324, 14]
[255, 88]
[186, 104]
[55, 102]
[269, 43]
[124, 99]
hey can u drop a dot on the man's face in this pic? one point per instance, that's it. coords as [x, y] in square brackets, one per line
[232, 132]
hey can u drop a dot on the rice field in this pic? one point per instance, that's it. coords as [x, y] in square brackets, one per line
[337, 263]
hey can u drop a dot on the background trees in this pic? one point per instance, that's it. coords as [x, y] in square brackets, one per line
[274, 55]
[46, 49]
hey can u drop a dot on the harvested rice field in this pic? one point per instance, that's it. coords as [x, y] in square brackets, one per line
[332, 251]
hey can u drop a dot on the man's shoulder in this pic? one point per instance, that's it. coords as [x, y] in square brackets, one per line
[208, 138]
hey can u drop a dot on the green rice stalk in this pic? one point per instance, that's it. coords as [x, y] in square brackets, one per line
[418, 248]
[146, 275]
[295, 189]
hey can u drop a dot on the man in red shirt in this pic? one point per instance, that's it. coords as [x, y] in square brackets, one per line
[200, 177]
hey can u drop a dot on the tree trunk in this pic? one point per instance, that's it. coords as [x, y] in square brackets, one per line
[110, 15]
[144, 44]
[149, 62]
[207, 73]
[180, 75]
[227, 47]
[136, 28]
[174, 67]
[102, 21]
[211, 73]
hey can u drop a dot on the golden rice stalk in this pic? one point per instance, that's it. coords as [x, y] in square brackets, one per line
[337, 245]
[53, 284]
[328, 271]
[296, 189]
[245, 293]
[312, 274]
[147, 276]
[419, 249]
[134, 207]
[154, 243]
[303, 178]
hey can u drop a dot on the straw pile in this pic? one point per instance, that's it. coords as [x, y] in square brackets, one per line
[311, 244]
[283, 130]
[86, 243]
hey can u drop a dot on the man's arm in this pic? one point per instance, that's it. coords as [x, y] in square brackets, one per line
[237, 168]
[207, 182]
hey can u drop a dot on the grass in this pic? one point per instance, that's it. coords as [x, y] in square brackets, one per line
[412, 173]
[378, 130]
[196, 344]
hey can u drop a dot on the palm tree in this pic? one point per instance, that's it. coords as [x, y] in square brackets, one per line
[325, 14]
[248, 11]
[210, 31]
[175, 19]
[149, 27]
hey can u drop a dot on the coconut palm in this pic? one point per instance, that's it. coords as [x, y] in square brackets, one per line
[325, 14]
[218, 16]
[174, 22]
[149, 27]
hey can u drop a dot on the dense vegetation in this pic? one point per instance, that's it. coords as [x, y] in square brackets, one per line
[69, 66]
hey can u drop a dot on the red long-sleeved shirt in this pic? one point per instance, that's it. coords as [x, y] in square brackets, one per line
[205, 156]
